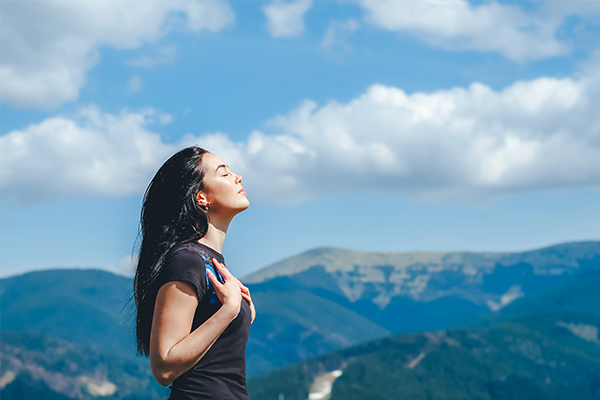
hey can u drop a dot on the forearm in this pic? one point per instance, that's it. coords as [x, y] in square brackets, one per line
[182, 356]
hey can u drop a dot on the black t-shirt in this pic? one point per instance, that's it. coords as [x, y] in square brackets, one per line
[221, 373]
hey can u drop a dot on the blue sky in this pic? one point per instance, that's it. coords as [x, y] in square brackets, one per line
[374, 125]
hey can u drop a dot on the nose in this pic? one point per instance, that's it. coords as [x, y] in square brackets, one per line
[238, 179]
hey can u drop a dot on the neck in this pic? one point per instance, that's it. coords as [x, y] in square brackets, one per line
[215, 235]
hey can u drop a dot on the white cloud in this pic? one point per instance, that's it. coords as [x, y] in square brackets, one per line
[459, 25]
[93, 154]
[134, 85]
[49, 46]
[286, 19]
[164, 55]
[463, 144]
[338, 33]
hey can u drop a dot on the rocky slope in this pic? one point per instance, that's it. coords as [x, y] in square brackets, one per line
[490, 279]
[300, 299]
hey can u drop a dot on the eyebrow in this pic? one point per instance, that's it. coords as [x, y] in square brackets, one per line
[222, 165]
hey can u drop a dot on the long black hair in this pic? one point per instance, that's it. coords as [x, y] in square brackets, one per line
[170, 215]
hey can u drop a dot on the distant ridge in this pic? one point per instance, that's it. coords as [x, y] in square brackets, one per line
[339, 259]
[309, 304]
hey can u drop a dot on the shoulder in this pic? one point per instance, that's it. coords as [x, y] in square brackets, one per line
[185, 263]
[185, 252]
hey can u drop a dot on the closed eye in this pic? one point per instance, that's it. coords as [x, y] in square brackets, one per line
[224, 166]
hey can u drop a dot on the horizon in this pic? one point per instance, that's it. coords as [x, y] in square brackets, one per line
[123, 274]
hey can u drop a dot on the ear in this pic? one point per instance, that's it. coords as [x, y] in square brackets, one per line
[201, 199]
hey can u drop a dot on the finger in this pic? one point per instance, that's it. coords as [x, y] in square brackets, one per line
[222, 269]
[247, 298]
[213, 278]
[246, 295]
[245, 290]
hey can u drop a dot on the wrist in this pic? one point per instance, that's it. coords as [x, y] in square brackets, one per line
[230, 309]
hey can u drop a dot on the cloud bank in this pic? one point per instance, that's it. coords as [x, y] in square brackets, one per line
[463, 144]
[93, 154]
[460, 25]
[48, 48]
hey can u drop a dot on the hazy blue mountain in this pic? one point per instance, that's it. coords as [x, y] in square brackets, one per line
[91, 308]
[550, 349]
[82, 306]
[294, 323]
[579, 294]
[551, 353]
[490, 280]
[310, 304]
[396, 292]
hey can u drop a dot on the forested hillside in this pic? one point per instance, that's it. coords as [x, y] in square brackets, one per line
[550, 351]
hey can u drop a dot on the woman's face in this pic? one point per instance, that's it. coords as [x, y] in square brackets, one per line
[223, 191]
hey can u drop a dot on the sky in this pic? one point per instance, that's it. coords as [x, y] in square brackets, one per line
[379, 125]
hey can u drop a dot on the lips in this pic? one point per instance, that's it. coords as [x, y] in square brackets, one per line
[242, 191]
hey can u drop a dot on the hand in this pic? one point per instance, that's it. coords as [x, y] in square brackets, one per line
[248, 298]
[228, 292]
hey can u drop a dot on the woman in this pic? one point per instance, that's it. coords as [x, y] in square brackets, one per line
[193, 315]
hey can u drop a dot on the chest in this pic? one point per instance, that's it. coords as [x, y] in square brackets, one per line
[206, 308]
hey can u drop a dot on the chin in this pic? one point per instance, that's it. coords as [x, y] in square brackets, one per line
[245, 206]
[242, 206]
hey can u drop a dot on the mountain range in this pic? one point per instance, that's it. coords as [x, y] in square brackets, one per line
[308, 305]
[313, 302]
[541, 347]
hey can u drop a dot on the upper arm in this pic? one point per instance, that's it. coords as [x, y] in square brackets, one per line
[174, 310]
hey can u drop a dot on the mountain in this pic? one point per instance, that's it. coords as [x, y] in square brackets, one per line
[294, 324]
[310, 304]
[84, 306]
[578, 294]
[39, 367]
[299, 299]
[91, 308]
[551, 350]
[544, 347]
[545, 358]
[488, 279]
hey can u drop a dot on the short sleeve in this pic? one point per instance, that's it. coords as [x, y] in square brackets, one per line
[184, 264]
